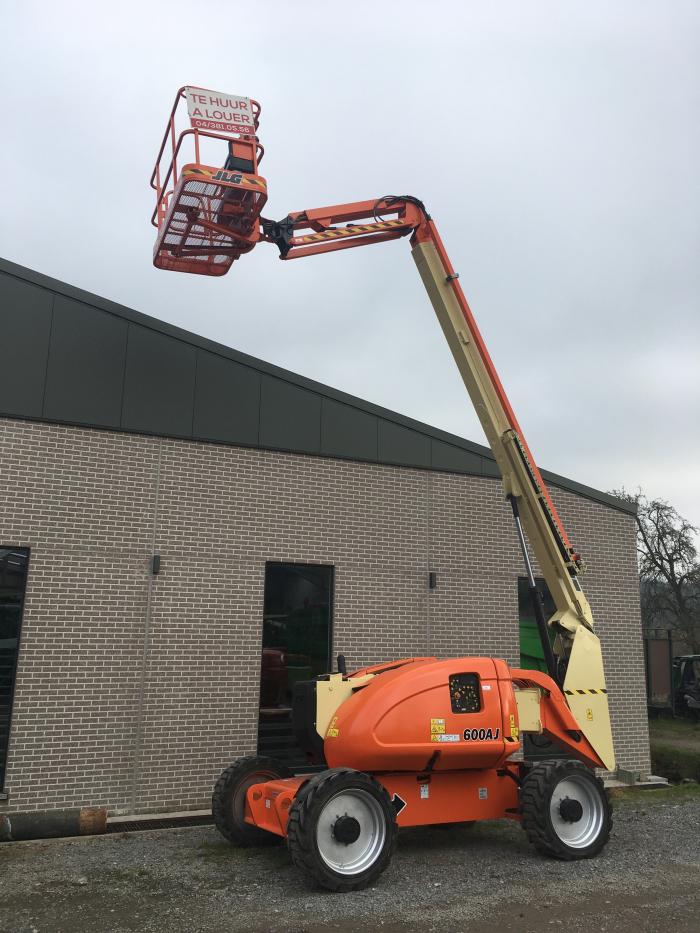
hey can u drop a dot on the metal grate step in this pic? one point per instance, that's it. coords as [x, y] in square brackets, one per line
[135, 826]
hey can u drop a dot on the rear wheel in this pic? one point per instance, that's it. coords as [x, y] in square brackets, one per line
[342, 830]
[229, 796]
[565, 809]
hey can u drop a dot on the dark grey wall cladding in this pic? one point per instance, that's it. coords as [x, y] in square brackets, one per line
[85, 370]
[398, 444]
[290, 417]
[25, 328]
[348, 432]
[158, 384]
[454, 459]
[72, 357]
[226, 401]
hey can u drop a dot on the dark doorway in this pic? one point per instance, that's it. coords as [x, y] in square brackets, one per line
[13, 579]
[296, 646]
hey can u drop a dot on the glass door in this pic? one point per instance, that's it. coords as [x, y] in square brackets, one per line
[296, 646]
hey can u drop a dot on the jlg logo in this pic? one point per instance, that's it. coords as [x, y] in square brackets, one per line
[234, 177]
[481, 735]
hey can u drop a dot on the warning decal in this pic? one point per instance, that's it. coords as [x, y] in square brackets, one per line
[333, 730]
[398, 802]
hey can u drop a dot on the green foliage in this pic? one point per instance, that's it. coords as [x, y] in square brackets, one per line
[669, 570]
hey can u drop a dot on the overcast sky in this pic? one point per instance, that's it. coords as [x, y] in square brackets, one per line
[556, 145]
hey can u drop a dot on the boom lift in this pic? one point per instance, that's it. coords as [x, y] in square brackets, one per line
[420, 740]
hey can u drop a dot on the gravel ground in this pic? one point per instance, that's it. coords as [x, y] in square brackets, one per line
[484, 879]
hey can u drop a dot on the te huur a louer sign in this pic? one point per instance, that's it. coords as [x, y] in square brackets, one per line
[221, 113]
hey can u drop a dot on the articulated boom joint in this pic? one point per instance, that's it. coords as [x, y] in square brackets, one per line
[279, 232]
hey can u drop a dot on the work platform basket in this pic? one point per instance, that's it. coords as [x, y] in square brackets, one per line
[207, 214]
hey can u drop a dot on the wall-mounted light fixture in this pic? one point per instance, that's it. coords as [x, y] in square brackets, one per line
[432, 580]
[155, 565]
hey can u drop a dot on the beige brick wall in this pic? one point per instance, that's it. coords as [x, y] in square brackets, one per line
[133, 691]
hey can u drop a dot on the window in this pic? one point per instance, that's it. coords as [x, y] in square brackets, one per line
[13, 578]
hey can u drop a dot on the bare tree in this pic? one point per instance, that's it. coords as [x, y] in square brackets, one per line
[669, 571]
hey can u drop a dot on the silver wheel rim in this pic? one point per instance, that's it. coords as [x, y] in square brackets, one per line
[355, 857]
[585, 830]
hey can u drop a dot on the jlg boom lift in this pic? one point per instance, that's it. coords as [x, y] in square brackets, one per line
[414, 741]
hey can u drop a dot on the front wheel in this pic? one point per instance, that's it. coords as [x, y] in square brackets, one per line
[342, 830]
[565, 809]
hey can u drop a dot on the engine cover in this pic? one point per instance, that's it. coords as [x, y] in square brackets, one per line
[436, 715]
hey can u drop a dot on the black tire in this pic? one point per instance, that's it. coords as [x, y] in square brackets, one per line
[311, 831]
[228, 799]
[565, 810]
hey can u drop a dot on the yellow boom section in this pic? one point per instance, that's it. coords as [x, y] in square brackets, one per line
[584, 685]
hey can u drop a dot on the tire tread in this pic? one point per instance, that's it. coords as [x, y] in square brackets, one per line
[300, 837]
[535, 795]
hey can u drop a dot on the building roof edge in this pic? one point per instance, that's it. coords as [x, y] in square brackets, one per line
[251, 362]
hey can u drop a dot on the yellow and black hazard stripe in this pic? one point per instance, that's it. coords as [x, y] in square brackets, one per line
[253, 181]
[511, 738]
[573, 693]
[336, 232]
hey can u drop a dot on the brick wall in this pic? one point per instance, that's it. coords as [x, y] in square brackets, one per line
[133, 691]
